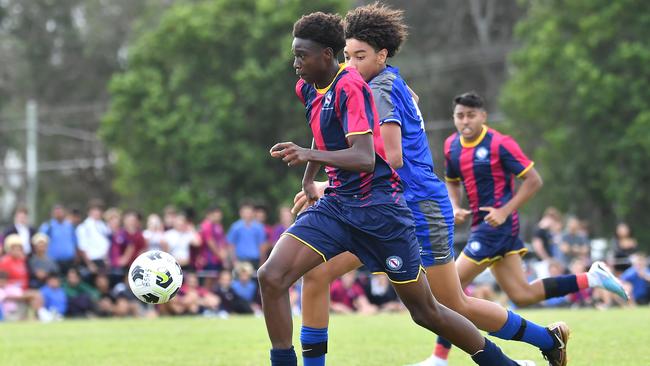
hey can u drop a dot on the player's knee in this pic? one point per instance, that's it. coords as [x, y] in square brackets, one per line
[427, 316]
[271, 279]
[522, 298]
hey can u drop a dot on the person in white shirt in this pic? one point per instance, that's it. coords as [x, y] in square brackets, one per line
[180, 238]
[93, 237]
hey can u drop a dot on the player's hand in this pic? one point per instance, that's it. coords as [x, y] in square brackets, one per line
[461, 215]
[290, 153]
[495, 216]
[301, 202]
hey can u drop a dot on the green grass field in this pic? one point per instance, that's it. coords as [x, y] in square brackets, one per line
[617, 337]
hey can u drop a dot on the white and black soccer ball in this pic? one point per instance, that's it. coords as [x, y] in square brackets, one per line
[155, 277]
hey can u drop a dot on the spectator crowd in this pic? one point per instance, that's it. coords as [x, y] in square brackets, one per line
[77, 267]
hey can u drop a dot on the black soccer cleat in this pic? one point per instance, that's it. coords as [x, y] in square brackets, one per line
[557, 356]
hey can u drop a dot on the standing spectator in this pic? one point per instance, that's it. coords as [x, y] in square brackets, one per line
[54, 298]
[74, 216]
[546, 239]
[155, 234]
[180, 238]
[624, 246]
[638, 279]
[575, 243]
[93, 238]
[262, 215]
[134, 236]
[347, 296]
[286, 220]
[81, 296]
[21, 228]
[245, 287]
[246, 236]
[119, 250]
[213, 254]
[41, 266]
[62, 238]
[169, 216]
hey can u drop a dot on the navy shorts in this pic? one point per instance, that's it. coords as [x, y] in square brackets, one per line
[487, 244]
[434, 227]
[382, 236]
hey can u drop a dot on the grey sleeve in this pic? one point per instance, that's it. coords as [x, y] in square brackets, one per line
[381, 93]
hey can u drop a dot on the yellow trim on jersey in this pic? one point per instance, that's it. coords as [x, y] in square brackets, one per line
[475, 142]
[359, 133]
[523, 172]
[307, 244]
[491, 260]
[452, 179]
[422, 269]
[325, 89]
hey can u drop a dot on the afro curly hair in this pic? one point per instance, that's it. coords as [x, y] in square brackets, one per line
[378, 25]
[325, 29]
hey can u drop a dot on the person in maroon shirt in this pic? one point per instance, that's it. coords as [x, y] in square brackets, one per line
[347, 296]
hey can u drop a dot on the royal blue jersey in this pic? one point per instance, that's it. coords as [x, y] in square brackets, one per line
[395, 104]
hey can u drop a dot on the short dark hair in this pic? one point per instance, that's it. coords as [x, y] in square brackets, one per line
[378, 25]
[322, 28]
[469, 99]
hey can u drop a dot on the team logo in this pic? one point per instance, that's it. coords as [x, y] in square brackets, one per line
[328, 99]
[475, 246]
[481, 153]
[394, 263]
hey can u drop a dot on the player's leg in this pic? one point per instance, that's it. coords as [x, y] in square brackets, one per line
[315, 305]
[428, 313]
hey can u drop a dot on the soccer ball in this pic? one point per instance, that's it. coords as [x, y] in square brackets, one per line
[155, 277]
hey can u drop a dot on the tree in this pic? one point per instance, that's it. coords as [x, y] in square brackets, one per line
[203, 98]
[579, 97]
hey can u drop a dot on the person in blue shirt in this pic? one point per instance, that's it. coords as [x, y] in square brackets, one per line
[246, 236]
[54, 298]
[638, 278]
[63, 239]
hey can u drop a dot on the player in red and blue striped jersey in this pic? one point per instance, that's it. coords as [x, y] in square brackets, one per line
[363, 210]
[487, 162]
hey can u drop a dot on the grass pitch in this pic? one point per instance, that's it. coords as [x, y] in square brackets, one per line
[616, 337]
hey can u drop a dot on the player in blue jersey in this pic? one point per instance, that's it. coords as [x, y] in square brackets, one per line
[363, 210]
[373, 34]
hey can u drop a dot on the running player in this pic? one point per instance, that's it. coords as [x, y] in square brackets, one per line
[373, 34]
[486, 162]
[363, 211]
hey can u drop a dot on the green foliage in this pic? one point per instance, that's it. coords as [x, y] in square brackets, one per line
[203, 98]
[579, 96]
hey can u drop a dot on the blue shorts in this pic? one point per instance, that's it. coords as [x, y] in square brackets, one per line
[434, 227]
[487, 244]
[382, 236]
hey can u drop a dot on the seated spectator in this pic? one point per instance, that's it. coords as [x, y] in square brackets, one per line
[54, 298]
[380, 293]
[245, 287]
[583, 297]
[81, 296]
[21, 228]
[624, 246]
[546, 240]
[14, 261]
[17, 303]
[347, 296]
[231, 303]
[194, 299]
[637, 278]
[62, 246]
[180, 238]
[155, 234]
[116, 301]
[40, 265]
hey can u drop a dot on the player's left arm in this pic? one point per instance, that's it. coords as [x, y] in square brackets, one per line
[517, 163]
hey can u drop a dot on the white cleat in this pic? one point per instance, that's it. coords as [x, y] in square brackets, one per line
[525, 363]
[431, 361]
[603, 278]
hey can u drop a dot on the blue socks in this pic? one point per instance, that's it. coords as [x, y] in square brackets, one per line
[518, 329]
[283, 357]
[314, 345]
[491, 355]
